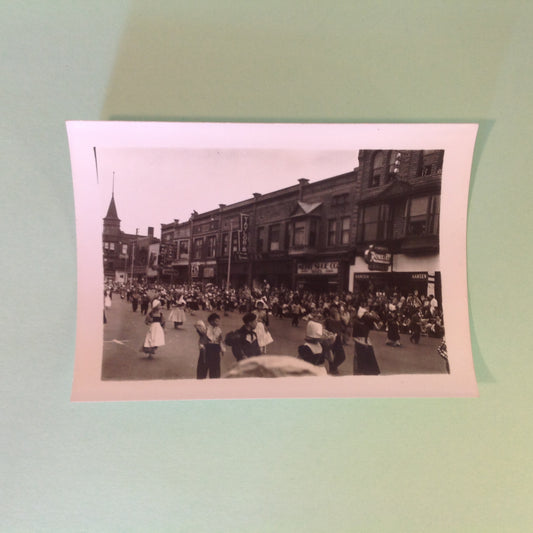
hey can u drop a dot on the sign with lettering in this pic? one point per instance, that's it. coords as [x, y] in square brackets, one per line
[244, 234]
[167, 253]
[324, 268]
[378, 258]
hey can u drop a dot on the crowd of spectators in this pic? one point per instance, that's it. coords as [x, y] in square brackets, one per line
[412, 313]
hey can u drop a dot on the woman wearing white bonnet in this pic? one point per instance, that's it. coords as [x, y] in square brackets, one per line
[155, 336]
[313, 351]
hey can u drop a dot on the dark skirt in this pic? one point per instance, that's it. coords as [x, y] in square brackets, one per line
[364, 362]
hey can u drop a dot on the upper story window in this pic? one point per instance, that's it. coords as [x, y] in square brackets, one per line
[339, 200]
[197, 248]
[303, 232]
[299, 233]
[374, 223]
[124, 249]
[106, 246]
[422, 216]
[183, 249]
[261, 239]
[378, 169]
[234, 243]
[112, 246]
[345, 230]
[225, 244]
[211, 244]
[430, 162]
[332, 232]
[274, 238]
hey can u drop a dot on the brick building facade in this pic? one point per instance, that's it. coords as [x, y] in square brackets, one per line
[397, 236]
[376, 226]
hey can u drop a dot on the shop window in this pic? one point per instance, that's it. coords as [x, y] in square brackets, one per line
[274, 238]
[345, 230]
[332, 232]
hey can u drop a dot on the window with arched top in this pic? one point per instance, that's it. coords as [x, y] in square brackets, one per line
[377, 171]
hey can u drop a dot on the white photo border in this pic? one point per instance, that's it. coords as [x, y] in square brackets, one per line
[457, 141]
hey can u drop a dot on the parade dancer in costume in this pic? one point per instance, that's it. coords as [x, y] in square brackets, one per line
[318, 342]
[155, 336]
[177, 315]
[243, 341]
[334, 325]
[364, 357]
[211, 347]
[393, 328]
[264, 338]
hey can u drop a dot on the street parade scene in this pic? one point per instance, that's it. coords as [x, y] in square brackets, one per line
[197, 332]
[339, 276]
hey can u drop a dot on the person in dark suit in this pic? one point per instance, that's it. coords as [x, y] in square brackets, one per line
[244, 342]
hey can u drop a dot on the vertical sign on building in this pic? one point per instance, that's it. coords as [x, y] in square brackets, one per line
[244, 236]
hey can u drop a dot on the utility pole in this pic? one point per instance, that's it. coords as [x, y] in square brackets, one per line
[133, 252]
[230, 246]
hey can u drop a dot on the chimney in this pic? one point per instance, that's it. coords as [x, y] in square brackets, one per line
[150, 231]
[303, 182]
[257, 195]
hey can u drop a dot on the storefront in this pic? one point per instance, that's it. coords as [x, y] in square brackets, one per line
[275, 273]
[319, 276]
[389, 282]
[203, 271]
[397, 273]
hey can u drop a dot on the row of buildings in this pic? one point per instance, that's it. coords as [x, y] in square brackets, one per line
[374, 227]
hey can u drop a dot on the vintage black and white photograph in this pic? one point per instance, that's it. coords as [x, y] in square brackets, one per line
[228, 262]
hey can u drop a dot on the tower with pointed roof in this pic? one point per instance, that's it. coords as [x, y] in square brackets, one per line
[111, 220]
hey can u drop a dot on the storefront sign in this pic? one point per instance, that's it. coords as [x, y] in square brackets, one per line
[326, 268]
[378, 258]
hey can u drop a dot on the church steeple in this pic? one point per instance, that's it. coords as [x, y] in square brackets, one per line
[112, 211]
[111, 220]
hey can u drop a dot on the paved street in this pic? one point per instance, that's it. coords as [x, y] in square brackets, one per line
[125, 331]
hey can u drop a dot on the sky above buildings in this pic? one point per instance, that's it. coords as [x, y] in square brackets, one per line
[155, 186]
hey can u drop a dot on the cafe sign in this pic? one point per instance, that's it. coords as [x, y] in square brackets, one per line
[323, 268]
[378, 258]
